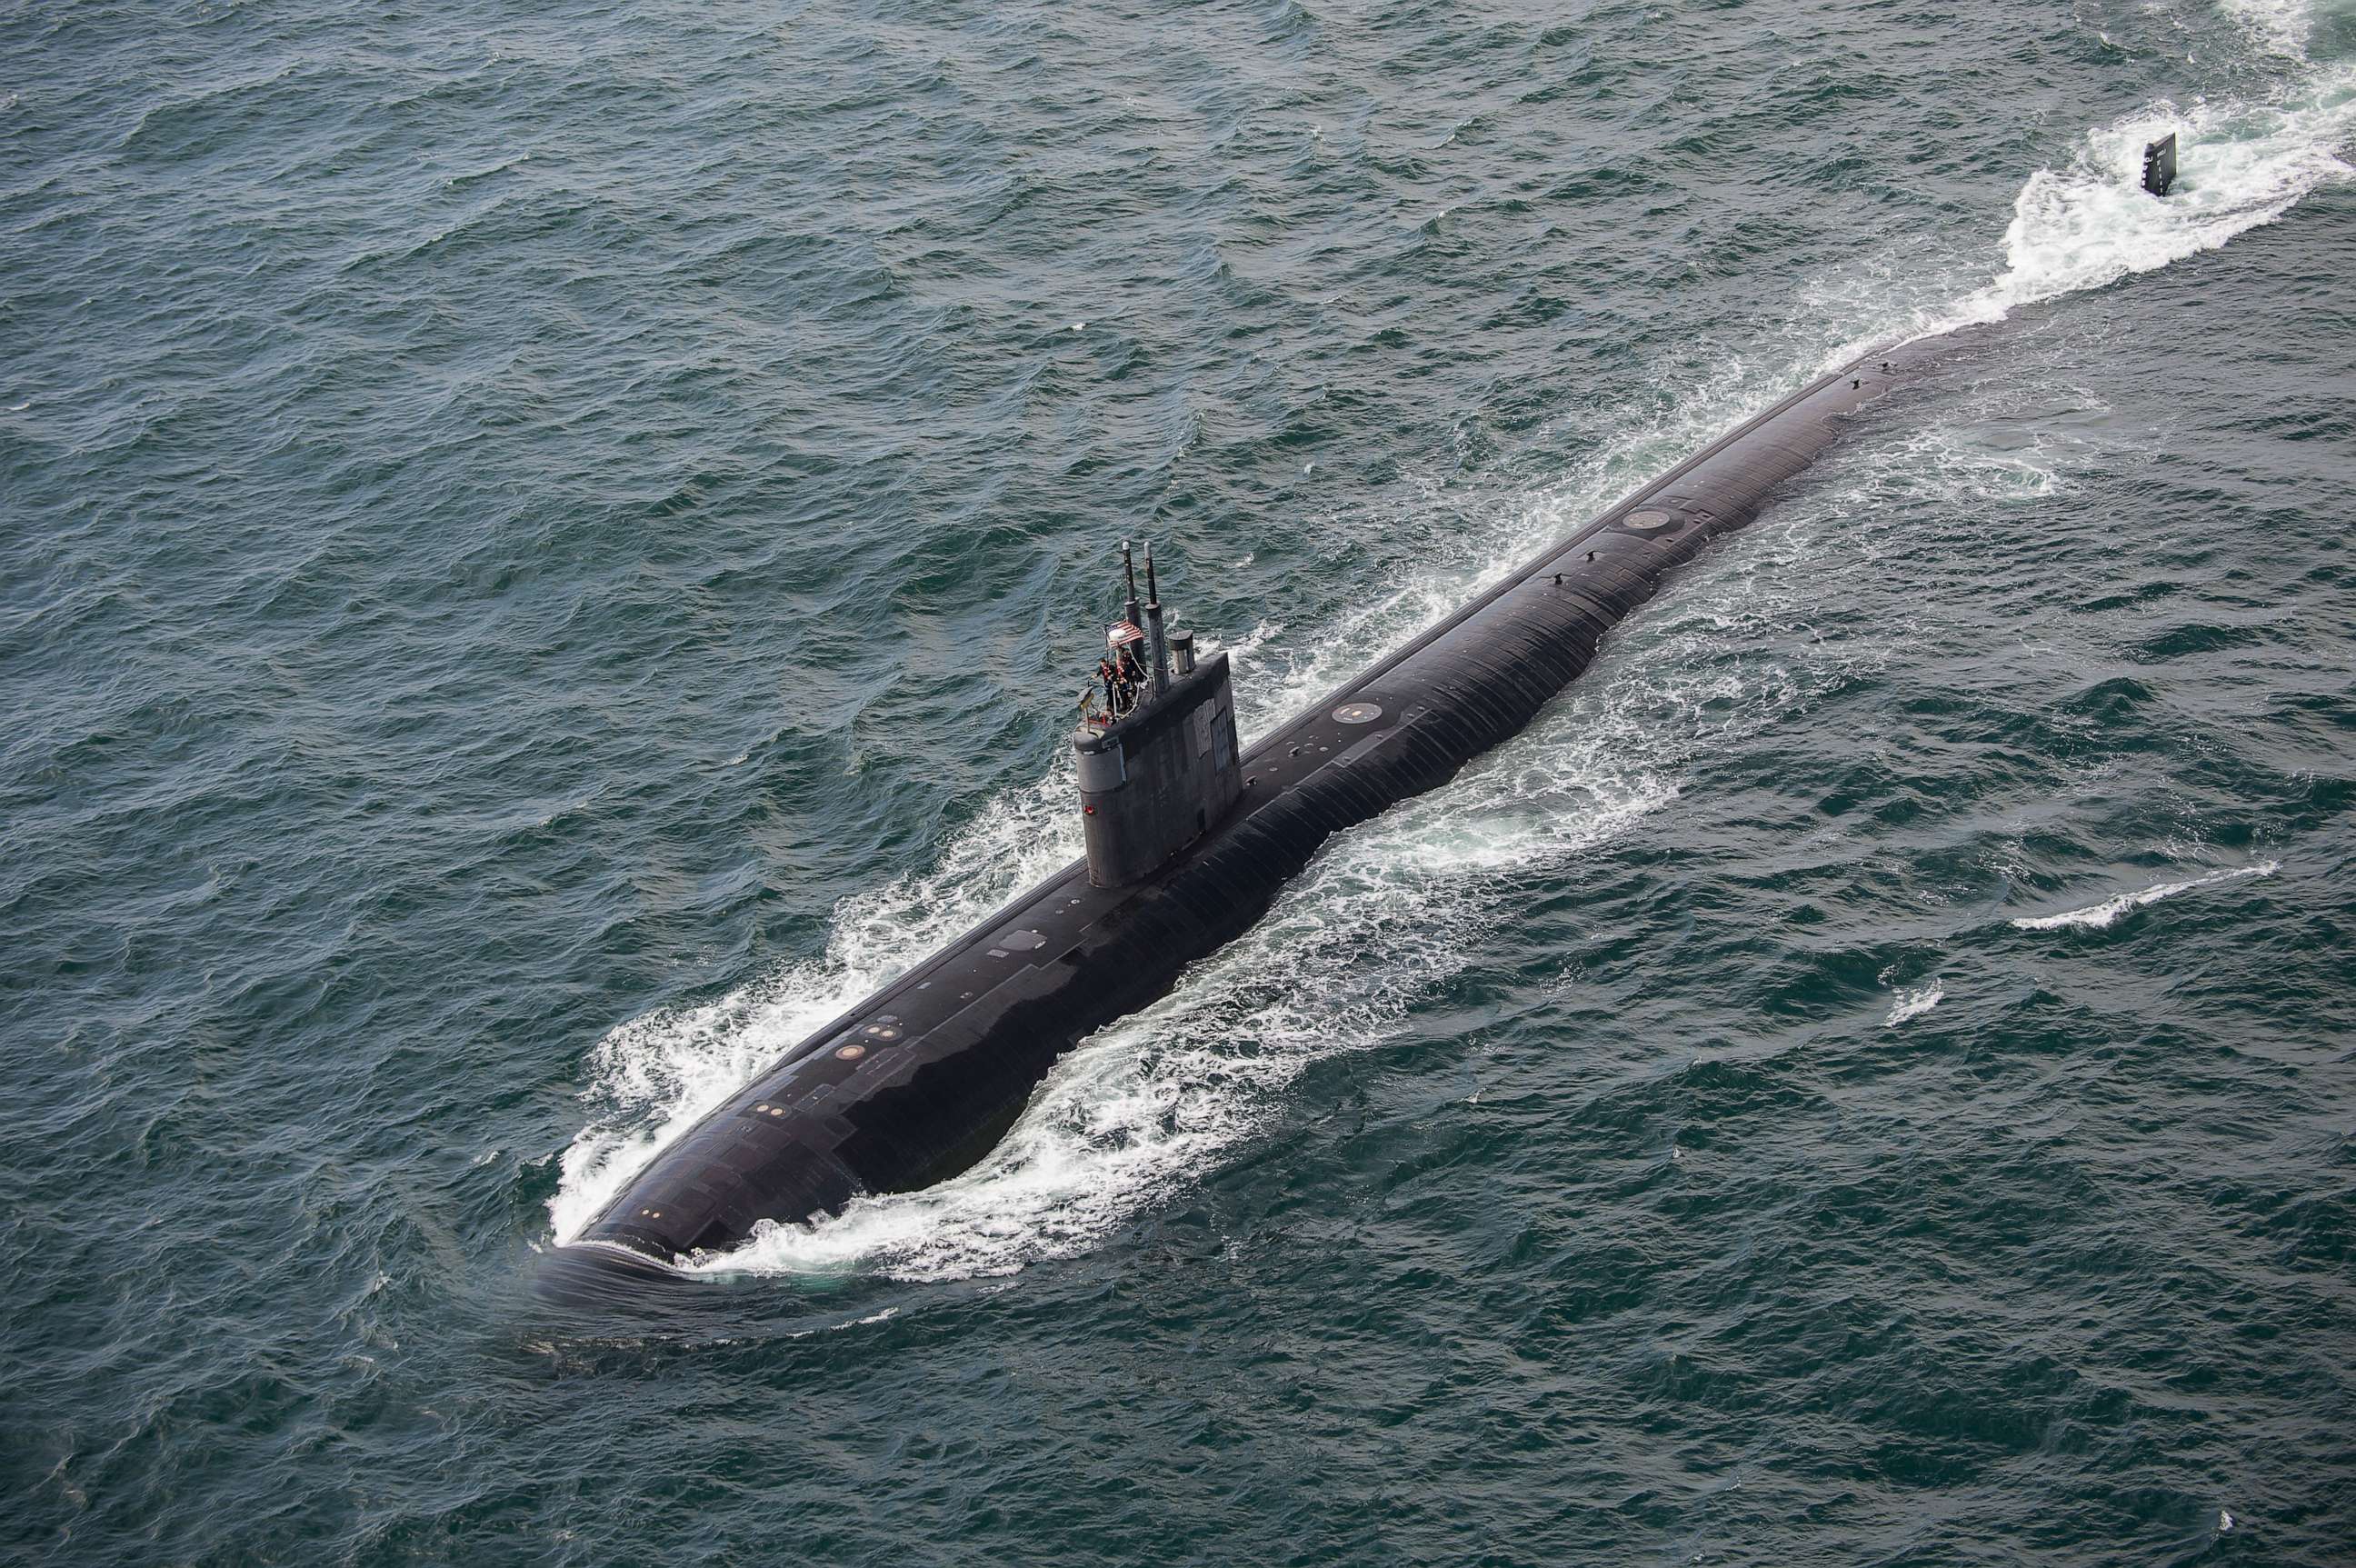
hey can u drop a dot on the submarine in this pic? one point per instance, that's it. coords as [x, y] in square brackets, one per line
[1189, 840]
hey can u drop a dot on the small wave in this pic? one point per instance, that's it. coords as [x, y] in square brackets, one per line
[475, 177]
[886, 1315]
[1913, 1004]
[2095, 916]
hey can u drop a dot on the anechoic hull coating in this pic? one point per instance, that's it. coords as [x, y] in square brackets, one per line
[920, 1080]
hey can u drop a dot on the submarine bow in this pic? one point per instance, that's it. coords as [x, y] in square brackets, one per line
[1189, 841]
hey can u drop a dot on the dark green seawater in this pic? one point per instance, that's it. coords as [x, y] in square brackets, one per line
[544, 550]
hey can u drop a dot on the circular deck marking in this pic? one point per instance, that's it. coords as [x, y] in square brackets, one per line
[851, 1053]
[1647, 520]
[1357, 713]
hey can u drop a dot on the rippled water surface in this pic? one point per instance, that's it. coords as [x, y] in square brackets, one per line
[545, 551]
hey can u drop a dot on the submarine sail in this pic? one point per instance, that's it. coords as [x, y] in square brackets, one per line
[1188, 840]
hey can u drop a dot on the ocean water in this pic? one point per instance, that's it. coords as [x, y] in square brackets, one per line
[545, 551]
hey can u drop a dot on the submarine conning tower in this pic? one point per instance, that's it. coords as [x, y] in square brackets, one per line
[1156, 749]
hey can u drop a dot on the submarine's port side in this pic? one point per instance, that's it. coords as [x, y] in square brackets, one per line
[1188, 843]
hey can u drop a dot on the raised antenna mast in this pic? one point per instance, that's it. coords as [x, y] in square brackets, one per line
[1153, 628]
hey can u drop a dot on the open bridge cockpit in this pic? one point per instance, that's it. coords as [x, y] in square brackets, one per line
[1139, 660]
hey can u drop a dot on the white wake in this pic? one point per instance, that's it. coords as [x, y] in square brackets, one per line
[2097, 917]
[2241, 163]
[1913, 1004]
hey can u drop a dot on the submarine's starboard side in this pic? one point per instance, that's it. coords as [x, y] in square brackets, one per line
[920, 1080]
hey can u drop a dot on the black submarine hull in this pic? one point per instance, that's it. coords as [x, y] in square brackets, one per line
[919, 1080]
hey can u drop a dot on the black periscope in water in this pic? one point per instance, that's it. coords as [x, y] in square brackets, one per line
[1188, 845]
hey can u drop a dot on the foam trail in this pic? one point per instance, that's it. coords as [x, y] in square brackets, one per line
[2243, 163]
[2278, 27]
[2096, 916]
[2091, 224]
[1913, 1004]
